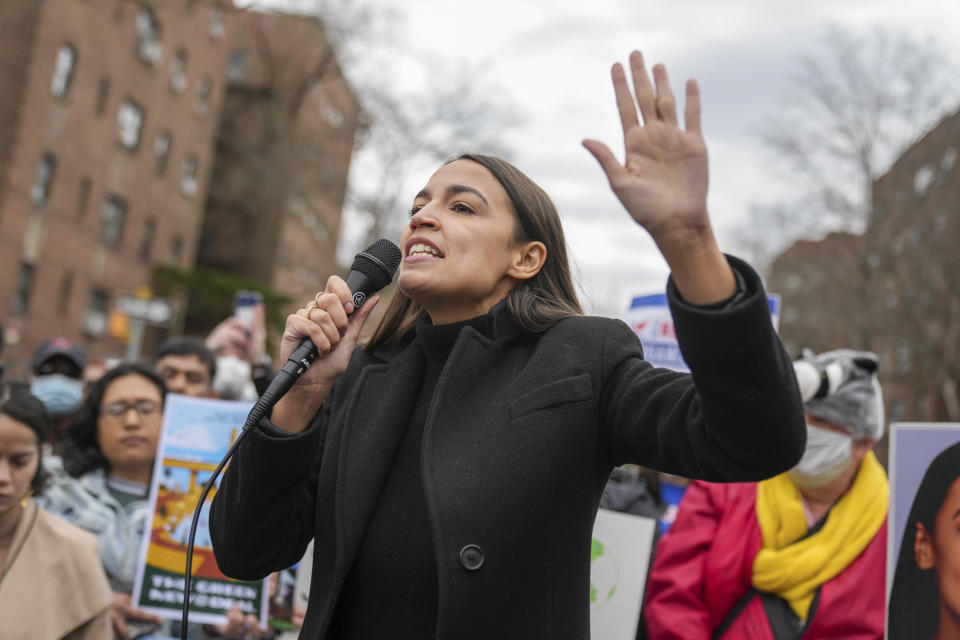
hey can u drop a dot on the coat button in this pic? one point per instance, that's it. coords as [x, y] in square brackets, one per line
[471, 557]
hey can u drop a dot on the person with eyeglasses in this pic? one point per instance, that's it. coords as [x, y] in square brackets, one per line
[101, 482]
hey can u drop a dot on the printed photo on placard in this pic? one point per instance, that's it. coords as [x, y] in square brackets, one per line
[923, 565]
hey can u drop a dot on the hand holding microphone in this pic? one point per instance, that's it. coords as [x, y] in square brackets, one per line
[327, 328]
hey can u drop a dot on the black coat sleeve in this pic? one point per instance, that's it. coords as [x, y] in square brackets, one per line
[262, 515]
[738, 418]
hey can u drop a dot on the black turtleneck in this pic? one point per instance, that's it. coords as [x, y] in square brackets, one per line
[391, 590]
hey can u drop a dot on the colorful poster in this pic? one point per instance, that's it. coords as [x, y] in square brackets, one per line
[619, 559]
[196, 434]
[649, 317]
[924, 500]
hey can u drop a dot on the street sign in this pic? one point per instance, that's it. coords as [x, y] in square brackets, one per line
[156, 311]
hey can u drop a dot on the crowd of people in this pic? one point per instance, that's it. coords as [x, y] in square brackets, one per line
[470, 516]
[78, 442]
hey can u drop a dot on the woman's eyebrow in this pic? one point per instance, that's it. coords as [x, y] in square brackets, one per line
[453, 190]
[461, 188]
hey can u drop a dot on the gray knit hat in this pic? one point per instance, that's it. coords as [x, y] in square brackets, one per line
[841, 387]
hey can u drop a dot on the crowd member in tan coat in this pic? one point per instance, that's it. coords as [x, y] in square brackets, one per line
[52, 585]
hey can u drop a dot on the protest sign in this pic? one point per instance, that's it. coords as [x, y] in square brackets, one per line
[923, 468]
[619, 559]
[196, 434]
[649, 317]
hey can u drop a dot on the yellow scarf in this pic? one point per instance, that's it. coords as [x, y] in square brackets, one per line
[792, 568]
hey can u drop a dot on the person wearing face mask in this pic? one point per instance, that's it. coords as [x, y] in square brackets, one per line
[58, 381]
[800, 555]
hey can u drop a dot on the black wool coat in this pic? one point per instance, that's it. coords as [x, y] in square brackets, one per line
[520, 437]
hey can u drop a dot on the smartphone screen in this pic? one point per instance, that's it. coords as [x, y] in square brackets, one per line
[244, 306]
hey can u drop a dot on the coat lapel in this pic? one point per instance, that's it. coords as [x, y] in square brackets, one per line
[374, 424]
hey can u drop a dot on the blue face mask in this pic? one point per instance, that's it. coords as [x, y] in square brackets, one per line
[60, 394]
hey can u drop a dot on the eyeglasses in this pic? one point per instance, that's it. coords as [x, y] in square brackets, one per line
[146, 409]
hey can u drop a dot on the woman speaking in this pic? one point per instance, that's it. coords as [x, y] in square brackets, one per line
[450, 470]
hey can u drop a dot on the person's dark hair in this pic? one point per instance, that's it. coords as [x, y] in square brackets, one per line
[536, 303]
[81, 451]
[189, 346]
[17, 403]
[914, 599]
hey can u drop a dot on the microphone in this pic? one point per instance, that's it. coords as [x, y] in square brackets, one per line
[372, 270]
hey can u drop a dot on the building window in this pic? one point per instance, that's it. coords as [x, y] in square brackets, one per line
[204, 85]
[129, 122]
[903, 359]
[149, 48]
[922, 180]
[103, 95]
[897, 410]
[948, 159]
[176, 251]
[114, 217]
[83, 197]
[216, 22]
[95, 320]
[146, 240]
[40, 191]
[178, 71]
[21, 296]
[63, 70]
[161, 152]
[237, 65]
[188, 177]
[66, 288]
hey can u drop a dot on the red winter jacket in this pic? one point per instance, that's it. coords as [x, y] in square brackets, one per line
[703, 566]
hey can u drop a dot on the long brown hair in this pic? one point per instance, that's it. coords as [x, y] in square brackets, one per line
[536, 303]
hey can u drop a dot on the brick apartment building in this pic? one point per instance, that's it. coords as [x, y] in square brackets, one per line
[107, 127]
[283, 153]
[895, 289]
[109, 120]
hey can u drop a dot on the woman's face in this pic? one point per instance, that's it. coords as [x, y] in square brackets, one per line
[19, 461]
[945, 547]
[129, 423]
[460, 257]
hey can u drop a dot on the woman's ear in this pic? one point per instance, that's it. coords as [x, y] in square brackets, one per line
[923, 548]
[529, 258]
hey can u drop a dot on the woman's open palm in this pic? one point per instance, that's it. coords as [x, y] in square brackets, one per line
[663, 180]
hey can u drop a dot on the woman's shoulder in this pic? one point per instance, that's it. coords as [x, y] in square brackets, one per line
[66, 538]
[590, 331]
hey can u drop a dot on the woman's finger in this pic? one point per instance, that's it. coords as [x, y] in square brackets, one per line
[360, 317]
[691, 114]
[332, 304]
[642, 88]
[337, 286]
[625, 105]
[330, 328]
[299, 327]
[666, 103]
[608, 162]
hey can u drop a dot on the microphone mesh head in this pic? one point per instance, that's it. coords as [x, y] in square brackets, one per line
[378, 262]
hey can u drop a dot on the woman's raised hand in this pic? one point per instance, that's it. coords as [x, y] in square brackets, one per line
[327, 322]
[663, 180]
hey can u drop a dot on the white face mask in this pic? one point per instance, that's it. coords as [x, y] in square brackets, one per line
[826, 457]
[233, 381]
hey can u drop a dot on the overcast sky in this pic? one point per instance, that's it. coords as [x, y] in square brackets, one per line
[552, 60]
